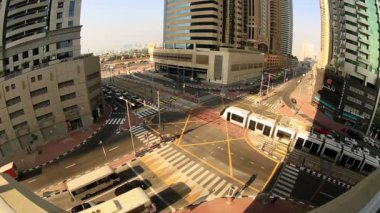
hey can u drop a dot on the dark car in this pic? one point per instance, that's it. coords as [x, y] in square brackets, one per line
[129, 186]
[82, 207]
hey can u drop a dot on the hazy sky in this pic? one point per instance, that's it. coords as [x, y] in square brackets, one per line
[120, 24]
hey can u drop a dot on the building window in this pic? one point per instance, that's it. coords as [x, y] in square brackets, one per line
[352, 99]
[60, 4]
[59, 15]
[7, 88]
[42, 117]
[15, 58]
[70, 108]
[47, 48]
[66, 84]
[58, 26]
[71, 8]
[13, 86]
[68, 96]
[36, 62]
[70, 24]
[38, 92]
[35, 51]
[13, 101]
[41, 104]
[64, 44]
[33, 79]
[355, 90]
[16, 114]
[6, 61]
[93, 75]
[371, 97]
[20, 125]
[368, 106]
[39, 77]
[25, 54]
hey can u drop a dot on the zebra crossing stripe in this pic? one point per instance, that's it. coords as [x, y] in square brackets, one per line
[203, 175]
[173, 156]
[224, 190]
[213, 182]
[283, 182]
[177, 160]
[205, 180]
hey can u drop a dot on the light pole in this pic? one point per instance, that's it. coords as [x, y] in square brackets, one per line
[159, 110]
[129, 123]
[104, 151]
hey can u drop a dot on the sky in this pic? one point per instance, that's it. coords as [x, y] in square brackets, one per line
[124, 24]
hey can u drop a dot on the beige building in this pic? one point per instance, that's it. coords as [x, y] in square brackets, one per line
[275, 62]
[47, 88]
[225, 66]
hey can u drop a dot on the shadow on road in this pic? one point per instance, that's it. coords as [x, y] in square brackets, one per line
[171, 195]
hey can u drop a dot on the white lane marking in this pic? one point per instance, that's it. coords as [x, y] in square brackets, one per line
[113, 148]
[31, 181]
[151, 188]
[70, 165]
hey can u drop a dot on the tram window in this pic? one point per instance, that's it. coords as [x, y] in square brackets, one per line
[267, 130]
[314, 149]
[259, 126]
[330, 153]
[237, 118]
[252, 125]
[368, 168]
[299, 143]
[282, 134]
[308, 144]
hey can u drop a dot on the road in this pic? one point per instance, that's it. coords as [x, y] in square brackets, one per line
[78, 161]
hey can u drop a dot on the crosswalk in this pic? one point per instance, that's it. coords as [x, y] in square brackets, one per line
[285, 182]
[193, 182]
[167, 101]
[115, 121]
[250, 98]
[146, 112]
[144, 135]
[269, 107]
[255, 100]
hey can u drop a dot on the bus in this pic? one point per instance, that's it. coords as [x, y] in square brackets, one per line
[135, 200]
[85, 186]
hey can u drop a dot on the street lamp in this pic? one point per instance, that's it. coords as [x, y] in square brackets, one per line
[129, 122]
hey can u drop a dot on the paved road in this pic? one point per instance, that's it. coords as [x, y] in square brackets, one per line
[78, 161]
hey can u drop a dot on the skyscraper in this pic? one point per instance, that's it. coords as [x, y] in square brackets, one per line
[286, 27]
[47, 87]
[326, 44]
[355, 61]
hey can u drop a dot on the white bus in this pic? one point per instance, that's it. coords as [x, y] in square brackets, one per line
[135, 200]
[84, 186]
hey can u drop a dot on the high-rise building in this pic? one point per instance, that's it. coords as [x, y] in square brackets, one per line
[286, 27]
[353, 76]
[47, 87]
[281, 27]
[326, 30]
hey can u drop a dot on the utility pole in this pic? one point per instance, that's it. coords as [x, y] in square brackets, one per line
[159, 110]
[261, 83]
[129, 123]
[285, 75]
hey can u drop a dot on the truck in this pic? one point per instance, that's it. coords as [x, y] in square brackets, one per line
[10, 169]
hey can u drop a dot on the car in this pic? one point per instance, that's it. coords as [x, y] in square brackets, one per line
[82, 207]
[129, 186]
[294, 101]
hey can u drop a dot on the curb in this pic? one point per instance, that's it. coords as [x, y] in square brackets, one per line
[71, 150]
[331, 180]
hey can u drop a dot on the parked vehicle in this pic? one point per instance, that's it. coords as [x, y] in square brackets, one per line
[82, 207]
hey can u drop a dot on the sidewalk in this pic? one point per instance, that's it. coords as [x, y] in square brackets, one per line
[59, 147]
[307, 112]
[246, 205]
